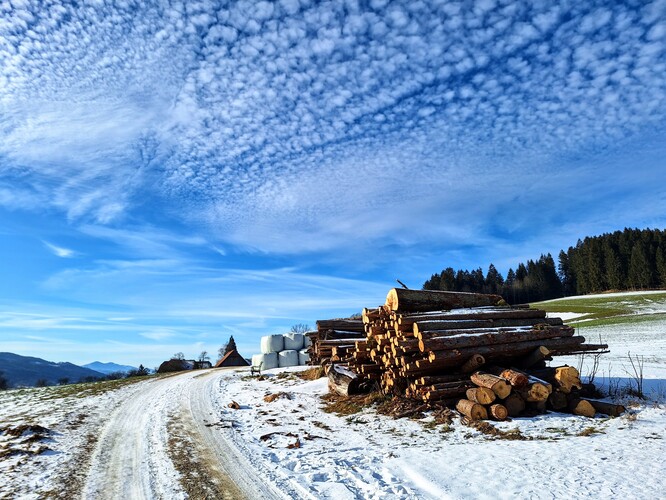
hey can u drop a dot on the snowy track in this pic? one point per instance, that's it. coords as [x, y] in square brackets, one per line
[131, 458]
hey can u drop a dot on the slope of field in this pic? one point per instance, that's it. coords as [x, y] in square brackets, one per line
[608, 308]
[633, 324]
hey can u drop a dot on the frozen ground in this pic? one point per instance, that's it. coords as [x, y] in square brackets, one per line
[364, 455]
[178, 437]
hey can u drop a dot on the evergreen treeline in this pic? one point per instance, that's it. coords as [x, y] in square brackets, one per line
[632, 259]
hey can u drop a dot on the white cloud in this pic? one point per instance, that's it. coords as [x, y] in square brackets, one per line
[65, 253]
[281, 127]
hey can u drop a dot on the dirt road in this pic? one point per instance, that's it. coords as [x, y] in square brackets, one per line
[166, 441]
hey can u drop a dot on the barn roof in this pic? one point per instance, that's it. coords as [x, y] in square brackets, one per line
[232, 358]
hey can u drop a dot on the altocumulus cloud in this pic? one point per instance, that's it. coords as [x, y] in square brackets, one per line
[290, 125]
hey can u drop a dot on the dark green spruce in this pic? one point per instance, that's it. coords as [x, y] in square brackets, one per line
[633, 259]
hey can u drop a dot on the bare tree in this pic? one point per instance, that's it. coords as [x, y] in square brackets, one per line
[300, 328]
[636, 372]
[203, 356]
[178, 355]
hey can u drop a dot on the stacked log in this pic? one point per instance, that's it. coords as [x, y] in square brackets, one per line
[339, 334]
[451, 347]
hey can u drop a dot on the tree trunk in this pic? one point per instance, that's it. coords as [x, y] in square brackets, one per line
[498, 385]
[475, 362]
[503, 313]
[564, 377]
[471, 338]
[557, 401]
[610, 409]
[514, 404]
[350, 325]
[498, 412]
[342, 381]
[536, 356]
[481, 395]
[473, 322]
[403, 300]
[581, 407]
[446, 359]
[516, 379]
[471, 410]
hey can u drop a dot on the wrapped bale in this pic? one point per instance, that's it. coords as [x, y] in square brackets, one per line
[267, 361]
[293, 341]
[303, 357]
[307, 341]
[288, 358]
[272, 343]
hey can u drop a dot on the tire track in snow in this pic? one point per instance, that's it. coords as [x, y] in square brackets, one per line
[130, 458]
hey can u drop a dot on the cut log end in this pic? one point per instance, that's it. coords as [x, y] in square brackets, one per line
[471, 410]
[499, 412]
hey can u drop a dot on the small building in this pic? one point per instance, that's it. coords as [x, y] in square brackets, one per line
[232, 358]
[181, 365]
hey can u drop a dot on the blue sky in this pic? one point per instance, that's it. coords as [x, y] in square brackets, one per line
[175, 173]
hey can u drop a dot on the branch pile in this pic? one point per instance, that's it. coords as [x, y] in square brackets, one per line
[467, 350]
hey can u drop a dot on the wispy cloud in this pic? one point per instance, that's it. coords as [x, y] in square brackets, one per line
[63, 252]
[291, 128]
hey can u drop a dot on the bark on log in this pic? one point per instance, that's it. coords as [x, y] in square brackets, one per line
[475, 362]
[473, 322]
[581, 407]
[508, 336]
[448, 390]
[536, 356]
[516, 378]
[498, 412]
[453, 358]
[565, 377]
[342, 381]
[498, 385]
[610, 409]
[400, 299]
[501, 313]
[536, 407]
[450, 324]
[514, 404]
[440, 379]
[535, 392]
[557, 401]
[481, 395]
[350, 325]
[471, 410]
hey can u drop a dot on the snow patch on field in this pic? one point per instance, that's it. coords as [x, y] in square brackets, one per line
[366, 455]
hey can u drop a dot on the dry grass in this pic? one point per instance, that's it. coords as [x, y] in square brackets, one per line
[314, 373]
[490, 430]
[272, 397]
[590, 431]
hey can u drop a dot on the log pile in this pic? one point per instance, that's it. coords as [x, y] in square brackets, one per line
[334, 338]
[467, 350]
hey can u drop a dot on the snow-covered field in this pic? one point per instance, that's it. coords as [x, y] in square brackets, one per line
[178, 437]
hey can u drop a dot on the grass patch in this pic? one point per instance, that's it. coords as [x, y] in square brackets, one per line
[590, 431]
[314, 373]
[489, 429]
[349, 405]
[602, 311]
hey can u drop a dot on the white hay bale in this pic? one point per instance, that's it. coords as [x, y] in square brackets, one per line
[307, 341]
[272, 343]
[303, 357]
[266, 361]
[293, 341]
[288, 358]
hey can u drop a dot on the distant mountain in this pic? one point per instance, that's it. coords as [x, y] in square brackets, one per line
[107, 368]
[26, 371]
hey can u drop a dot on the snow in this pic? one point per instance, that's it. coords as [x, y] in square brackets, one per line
[115, 441]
